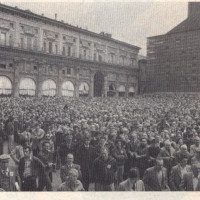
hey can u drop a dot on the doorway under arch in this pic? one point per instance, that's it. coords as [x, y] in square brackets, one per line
[98, 84]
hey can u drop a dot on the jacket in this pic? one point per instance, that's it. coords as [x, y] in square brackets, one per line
[104, 171]
[176, 177]
[151, 182]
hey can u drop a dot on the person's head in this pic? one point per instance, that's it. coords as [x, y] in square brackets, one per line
[159, 164]
[133, 174]
[47, 136]
[4, 161]
[167, 144]
[157, 139]
[133, 136]
[73, 175]
[68, 139]
[70, 159]
[104, 153]
[180, 141]
[183, 160]
[102, 141]
[28, 128]
[196, 169]
[27, 151]
[184, 148]
[87, 141]
[118, 143]
[46, 146]
[143, 142]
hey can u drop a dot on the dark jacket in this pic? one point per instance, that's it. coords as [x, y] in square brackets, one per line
[176, 177]
[151, 182]
[36, 165]
[120, 155]
[104, 171]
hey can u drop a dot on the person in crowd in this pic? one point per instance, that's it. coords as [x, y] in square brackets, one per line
[47, 157]
[133, 183]
[26, 135]
[119, 153]
[85, 158]
[65, 148]
[30, 169]
[10, 133]
[191, 181]
[2, 137]
[141, 156]
[64, 171]
[9, 178]
[195, 146]
[71, 183]
[167, 154]
[37, 136]
[178, 172]
[105, 168]
[155, 178]
[47, 138]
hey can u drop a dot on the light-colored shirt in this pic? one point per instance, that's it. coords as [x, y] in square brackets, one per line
[27, 168]
[195, 182]
[183, 170]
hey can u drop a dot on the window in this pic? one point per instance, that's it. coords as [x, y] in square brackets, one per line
[50, 69]
[50, 47]
[35, 68]
[84, 53]
[3, 38]
[63, 71]
[45, 46]
[3, 66]
[64, 38]
[11, 40]
[22, 42]
[11, 25]
[56, 48]
[69, 51]
[69, 71]
[29, 42]
[10, 65]
[63, 52]
[56, 36]
[100, 58]
[74, 40]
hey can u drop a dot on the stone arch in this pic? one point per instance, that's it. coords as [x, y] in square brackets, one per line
[84, 89]
[68, 89]
[27, 87]
[121, 90]
[49, 88]
[5, 86]
[131, 91]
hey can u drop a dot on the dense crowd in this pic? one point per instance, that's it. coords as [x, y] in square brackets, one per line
[144, 143]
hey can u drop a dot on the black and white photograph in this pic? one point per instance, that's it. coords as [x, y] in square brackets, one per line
[99, 96]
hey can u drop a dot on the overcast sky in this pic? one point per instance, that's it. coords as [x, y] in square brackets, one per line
[130, 22]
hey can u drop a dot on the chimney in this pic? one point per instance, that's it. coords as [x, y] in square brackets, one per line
[55, 16]
[193, 9]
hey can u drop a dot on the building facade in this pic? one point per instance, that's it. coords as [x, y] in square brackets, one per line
[40, 56]
[173, 59]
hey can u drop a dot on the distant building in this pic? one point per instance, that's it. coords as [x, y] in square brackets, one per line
[40, 56]
[173, 59]
[142, 64]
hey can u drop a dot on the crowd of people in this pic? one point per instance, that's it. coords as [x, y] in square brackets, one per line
[144, 143]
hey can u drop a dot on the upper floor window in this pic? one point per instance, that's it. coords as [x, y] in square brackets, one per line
[63, 52]
[29, 42]
[69, 71]
[3, 38]
[56, 48]
[50, 47]
[69, 51]
[45, 46]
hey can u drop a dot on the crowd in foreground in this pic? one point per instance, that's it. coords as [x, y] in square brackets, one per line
[145, 143]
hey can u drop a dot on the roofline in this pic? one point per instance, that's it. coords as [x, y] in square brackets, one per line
[62, 24]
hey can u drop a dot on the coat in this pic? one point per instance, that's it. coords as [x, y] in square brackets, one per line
[120, 155]
[37, 167]
[64, 171]
[187, 183]
[151, 182]
[125, 186]
[176, 177]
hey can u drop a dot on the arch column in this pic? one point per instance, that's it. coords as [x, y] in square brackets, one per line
[91, 90]
[77, 83]
[15, 83]
[59, 83]
[39, 80]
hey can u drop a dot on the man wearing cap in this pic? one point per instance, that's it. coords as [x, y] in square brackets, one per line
[9, 180]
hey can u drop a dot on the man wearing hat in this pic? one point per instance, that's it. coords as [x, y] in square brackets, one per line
[9, 181]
